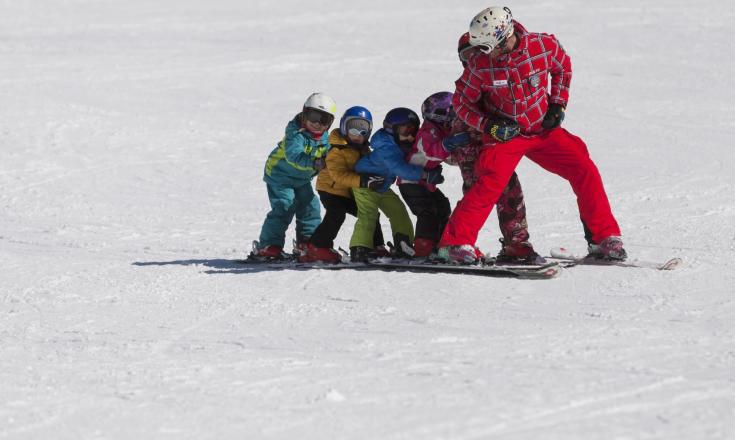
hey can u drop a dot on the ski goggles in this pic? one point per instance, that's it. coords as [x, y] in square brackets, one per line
[442, 116]
[358, 127]
[318, 117]
[407, 130]
[486, 48]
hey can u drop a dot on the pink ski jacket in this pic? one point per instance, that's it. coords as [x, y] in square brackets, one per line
[427, 151]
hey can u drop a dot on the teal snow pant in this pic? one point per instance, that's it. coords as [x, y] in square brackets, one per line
[287, 201]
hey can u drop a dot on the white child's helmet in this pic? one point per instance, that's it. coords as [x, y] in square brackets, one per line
[322, 102]
[490, 27]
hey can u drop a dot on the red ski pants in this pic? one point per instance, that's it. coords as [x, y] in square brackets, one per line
[557, 151]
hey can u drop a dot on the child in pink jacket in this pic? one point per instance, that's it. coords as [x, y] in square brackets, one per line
[434, 143]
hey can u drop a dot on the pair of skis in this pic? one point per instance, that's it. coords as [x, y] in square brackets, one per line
[484, 268]
[545, 271]
[560, 258]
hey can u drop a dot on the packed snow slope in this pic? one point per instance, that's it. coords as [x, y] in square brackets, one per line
[132, 141]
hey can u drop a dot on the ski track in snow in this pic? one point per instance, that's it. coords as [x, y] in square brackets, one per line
[132, 141]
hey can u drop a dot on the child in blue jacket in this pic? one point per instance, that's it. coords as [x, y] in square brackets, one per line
[382, 166]
[288, 173]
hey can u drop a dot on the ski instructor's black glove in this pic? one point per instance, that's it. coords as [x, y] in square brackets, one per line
[433, 176]
[554, 116]
[501, 129]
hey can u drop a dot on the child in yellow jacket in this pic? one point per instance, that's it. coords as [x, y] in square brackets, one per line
[335, 183]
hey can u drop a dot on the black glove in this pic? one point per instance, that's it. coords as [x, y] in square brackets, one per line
[319, 163]
[434, 175]
[451, 143]
[553, 117]
[371, 181]
[501, 129]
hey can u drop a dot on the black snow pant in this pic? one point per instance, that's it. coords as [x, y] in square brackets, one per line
[337, 208]
[431, 208]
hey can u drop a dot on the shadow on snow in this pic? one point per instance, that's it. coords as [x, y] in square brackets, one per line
[238, 266]
[218, 265]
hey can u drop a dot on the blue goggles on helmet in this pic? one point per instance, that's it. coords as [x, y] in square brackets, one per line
[358, 127]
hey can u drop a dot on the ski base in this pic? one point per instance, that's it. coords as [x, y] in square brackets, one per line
[570, 259]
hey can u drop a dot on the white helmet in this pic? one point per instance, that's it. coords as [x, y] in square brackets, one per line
[490, 27]
[322, 102]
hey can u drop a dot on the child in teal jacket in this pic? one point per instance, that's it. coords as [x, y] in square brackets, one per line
[288, 173]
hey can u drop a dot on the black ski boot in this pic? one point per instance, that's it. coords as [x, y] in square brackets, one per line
[403, 248]
[361, 254]
[518, 253]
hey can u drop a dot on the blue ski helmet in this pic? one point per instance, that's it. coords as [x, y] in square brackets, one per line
[400, 116]
[356, 112]
[438, 108]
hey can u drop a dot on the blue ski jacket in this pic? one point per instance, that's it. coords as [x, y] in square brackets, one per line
[387, 160]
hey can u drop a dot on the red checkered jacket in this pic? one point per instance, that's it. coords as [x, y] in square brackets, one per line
[515, 85]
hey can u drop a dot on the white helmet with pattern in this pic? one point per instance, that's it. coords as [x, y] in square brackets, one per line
[491, 27]
[320, 101]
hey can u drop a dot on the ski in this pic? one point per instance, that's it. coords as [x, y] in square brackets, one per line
[568, 258]
[535, 272]
[252, 259]
[292, 263]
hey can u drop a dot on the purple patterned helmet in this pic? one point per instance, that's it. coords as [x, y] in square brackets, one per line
[438, 108]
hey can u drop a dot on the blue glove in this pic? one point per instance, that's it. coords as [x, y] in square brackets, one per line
[434, 175]
[319, 163]
[451, 143]
[502, 129]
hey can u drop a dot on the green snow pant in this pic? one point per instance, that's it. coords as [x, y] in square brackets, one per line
[368, 204]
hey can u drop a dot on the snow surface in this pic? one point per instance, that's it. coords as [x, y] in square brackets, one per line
[132, 140]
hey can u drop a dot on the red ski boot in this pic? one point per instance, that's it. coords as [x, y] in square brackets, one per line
[610, 248]
[464, 254]
[423, 247]
[316, 254]
[266, 253]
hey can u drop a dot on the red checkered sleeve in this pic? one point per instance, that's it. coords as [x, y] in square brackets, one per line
[466, 99]
[560, 68]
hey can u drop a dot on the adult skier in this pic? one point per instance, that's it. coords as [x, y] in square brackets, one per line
[514, 90]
